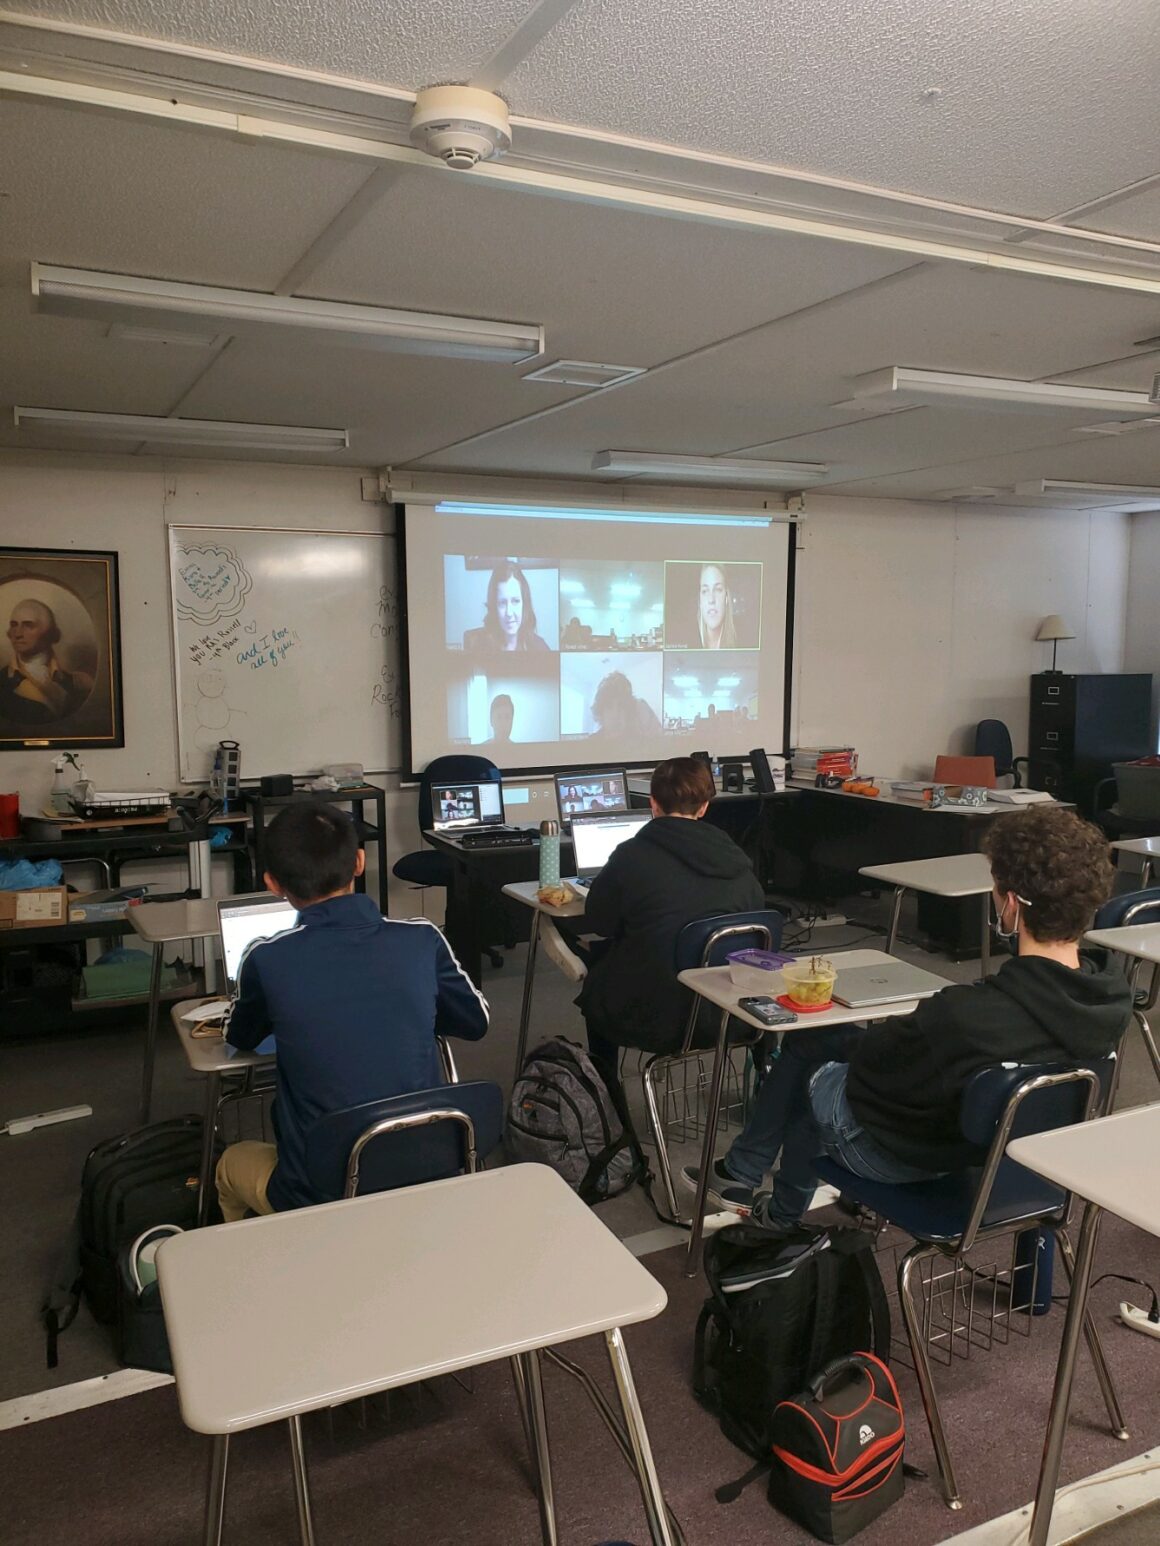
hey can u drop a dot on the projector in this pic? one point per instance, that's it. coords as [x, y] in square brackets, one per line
[460, 125]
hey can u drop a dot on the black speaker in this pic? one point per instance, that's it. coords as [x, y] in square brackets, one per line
[702, 757]
[277, 784]
[732, 778]
[762, 773]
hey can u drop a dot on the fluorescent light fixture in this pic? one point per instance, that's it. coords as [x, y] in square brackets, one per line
[572, 587]
[707, 469]
[74, 292]
[1092, 496]
[685, 681]
[624, 590]
[728, 681]
[616, 515]
[899, 385]
[221, 433]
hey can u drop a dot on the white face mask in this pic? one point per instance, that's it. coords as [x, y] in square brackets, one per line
[1007, 935]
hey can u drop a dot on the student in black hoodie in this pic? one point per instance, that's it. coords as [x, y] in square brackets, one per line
[677, 868]
[884, 1100]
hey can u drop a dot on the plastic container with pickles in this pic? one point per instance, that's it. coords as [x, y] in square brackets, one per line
[810, 983]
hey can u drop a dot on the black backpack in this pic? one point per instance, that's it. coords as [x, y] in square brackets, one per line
[561, 1113]
[781, 1308]
[128, 1184]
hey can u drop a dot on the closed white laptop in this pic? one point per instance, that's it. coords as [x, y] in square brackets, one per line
[860, 987]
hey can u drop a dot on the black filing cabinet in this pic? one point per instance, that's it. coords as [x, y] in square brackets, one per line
[1080, 725]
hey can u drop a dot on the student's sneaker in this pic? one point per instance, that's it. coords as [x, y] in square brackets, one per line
[559, 954]
[723, 1191]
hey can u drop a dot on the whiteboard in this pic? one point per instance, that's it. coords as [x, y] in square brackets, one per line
[288, 643]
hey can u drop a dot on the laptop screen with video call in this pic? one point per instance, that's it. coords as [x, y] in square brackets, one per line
[457, 806]
[244, 919]
[591, 794]
[596, 838]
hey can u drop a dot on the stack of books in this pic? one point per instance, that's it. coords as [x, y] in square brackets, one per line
[835, 761]
[918, 791]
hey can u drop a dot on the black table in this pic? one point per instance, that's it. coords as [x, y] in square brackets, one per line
[260, 805]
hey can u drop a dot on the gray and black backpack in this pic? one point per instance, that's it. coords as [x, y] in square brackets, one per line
[563, 1114]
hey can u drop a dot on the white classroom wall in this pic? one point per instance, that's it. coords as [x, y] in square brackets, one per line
[913, 620]
[1142, 624]
[916, 620]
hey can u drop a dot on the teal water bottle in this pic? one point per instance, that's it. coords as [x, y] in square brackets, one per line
[549, 853]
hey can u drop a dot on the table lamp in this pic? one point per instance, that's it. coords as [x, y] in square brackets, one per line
[1054, 628]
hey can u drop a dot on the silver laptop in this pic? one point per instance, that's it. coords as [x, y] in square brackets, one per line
[596, 838]
[244, 919]
[861, 987]
[590, 794]
[466, 807]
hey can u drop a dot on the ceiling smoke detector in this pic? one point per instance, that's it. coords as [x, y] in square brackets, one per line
[460, 125]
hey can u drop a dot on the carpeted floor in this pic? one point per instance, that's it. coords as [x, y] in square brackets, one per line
[449, 1465]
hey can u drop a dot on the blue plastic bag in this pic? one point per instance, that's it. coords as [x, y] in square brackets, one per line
[24, 874]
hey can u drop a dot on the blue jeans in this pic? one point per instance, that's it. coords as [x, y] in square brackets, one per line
[802, 1111]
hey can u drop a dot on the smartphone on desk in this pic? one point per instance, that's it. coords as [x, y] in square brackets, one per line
[767, 1010]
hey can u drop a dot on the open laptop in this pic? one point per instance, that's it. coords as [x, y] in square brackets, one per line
[590, 794]
[596, 838]
[861, 987]
[242, 920]
[459, 808]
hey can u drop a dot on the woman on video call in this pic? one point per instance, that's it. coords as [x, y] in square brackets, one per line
[715, 610]
[510, 621]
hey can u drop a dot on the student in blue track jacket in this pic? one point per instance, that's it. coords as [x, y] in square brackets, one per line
[354, 1001]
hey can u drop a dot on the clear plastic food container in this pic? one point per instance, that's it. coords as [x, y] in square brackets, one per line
[810, 982]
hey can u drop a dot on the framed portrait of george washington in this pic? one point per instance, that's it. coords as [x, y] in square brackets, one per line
[60, 659]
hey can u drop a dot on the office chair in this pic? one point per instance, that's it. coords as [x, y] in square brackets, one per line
[1120, 912]
[976, 771]
[993, 739]
[705, 942]
[948, 1216]
[427, 867]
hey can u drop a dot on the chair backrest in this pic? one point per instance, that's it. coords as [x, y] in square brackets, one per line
[1131, 907]
[993, 739]
[403, 1141]
[978, 771]
[1011, 1101]
[457, 768]
[707, 941]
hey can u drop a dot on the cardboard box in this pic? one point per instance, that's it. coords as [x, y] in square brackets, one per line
[37, 908]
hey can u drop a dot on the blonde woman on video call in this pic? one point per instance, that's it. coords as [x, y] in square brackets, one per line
[715, 610]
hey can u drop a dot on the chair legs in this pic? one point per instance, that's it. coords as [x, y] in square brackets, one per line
[656, 1126]
[693, 1259]
[1149, 1042]
[1095, 1346]
[918, 1352]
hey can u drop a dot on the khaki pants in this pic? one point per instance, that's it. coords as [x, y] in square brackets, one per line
[243, 1173]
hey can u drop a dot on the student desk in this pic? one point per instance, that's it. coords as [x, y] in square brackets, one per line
[1146, 849]
[524, 892]
[713, 985]
[214, 1059]
[955, 875]
[160, 924]
[478, 879]
[1107, 1162]
[1141, 941]
[357, 1297]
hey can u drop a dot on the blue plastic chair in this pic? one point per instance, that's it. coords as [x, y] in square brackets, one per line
[704, 942]
[948, 1216]
[405, 1140]
[1120, 912]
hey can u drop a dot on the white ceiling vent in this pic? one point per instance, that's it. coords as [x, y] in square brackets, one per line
[974, 494]
[1154, 394]
[585, 373]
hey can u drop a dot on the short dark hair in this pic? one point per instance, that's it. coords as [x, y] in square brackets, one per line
[311, 850]
[1060, 864]
[681, 785]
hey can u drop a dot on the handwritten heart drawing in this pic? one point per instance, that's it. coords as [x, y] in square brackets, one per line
[250, 627]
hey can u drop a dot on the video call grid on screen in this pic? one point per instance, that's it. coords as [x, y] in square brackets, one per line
[669, 639]
[588, 794]
[466, 805]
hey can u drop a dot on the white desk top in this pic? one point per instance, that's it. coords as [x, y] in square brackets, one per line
[885, 797]
[159, 922]
[1147, 847]
[525, 891]
[712, 983]
[210, 1054]
[1141, 940]
[952, 875]
[301, 1310]
[1105, 1161]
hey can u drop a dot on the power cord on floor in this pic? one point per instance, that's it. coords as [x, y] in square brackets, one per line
[1130, 1315]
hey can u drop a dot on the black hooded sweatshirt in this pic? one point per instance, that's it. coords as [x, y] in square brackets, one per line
[907, 1075]
[672, 872]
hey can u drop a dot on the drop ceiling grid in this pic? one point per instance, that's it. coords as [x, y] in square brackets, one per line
[1137, 215]
[837, 86]
[609, 285]
[103, 192]
[405, 43]
[395, 406]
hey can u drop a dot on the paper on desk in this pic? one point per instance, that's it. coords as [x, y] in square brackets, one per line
[211, 1011]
